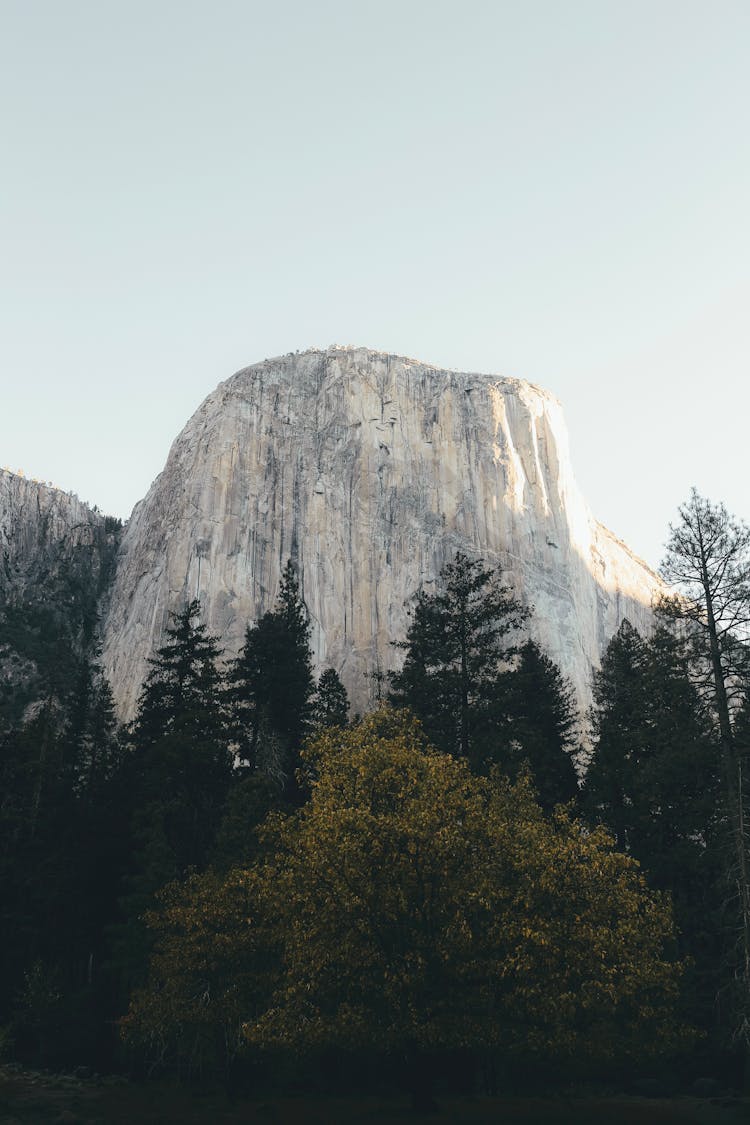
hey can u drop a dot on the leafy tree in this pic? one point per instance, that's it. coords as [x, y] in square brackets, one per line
[422, 908]
[410, 906]
[707, 562]
[544, 725]
[331, 703]
[208, 974]
[458, 648]
[273, 685]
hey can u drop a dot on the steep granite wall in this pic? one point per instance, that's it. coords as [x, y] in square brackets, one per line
[370, 471]
[56, 561]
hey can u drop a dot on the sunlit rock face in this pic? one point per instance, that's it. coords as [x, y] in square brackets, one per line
[370, 471]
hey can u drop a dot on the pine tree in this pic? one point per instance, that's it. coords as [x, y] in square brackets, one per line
[182, 758]
[544, 725]
[679, 784]
[63, 845]
[653, 782]
[707, 562]
[180, 775]
[653, 777]
[617, 719]
[459, 649]
[35, 812]
[184, 682]
[93, 740]
[273, 685]
[331, 704]
[742, 744]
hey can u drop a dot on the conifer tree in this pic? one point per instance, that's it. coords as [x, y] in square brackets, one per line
[653, 776]
[544, 725]
[331, 703]
[459, 648]
[34, 862]
[180, 773]
[183, 683]
[617, 721]
[707, 562]
[653, 782]
[742, 744]
[182, 759]
[93, 740]
[63, 841]
[273, 685]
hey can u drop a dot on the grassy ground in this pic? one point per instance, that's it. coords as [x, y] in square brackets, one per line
[28, 1098]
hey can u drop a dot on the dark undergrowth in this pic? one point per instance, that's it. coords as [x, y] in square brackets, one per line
[35, 1098]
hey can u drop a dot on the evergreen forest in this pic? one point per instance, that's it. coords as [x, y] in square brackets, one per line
[472, 888]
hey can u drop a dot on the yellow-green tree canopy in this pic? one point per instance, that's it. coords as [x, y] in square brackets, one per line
[209, 970]
[412, 906]
[418, 905]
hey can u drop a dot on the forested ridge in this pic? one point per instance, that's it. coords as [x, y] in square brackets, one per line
[472, 887]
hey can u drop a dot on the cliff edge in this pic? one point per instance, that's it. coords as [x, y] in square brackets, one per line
[370, 471]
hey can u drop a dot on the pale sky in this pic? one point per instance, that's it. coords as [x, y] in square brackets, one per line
[556, 190]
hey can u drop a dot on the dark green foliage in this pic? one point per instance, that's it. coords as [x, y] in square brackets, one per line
[458, 652]
[92, 828]
[183, 690]
[742, 745]
[62, 852]
[91, 734]
[48, 617]
[180, 771]
[331, 703]
[253, 795]
[182, 763]
[273, 685]
[707, 562]
[544, 725]
[621, 691]
[654, 781]
[653, 773]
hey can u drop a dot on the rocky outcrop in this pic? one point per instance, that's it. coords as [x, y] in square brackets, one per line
[370, 471]
[56, 562]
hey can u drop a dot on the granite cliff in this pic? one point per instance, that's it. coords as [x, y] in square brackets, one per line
[370, 471]
[56, 562]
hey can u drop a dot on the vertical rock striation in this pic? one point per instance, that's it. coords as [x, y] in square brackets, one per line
[56, 561]
[370, 471]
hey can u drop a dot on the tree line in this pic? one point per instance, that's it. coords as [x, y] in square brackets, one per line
[473, 873]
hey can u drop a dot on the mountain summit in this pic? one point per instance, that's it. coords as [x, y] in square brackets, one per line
[369, 471]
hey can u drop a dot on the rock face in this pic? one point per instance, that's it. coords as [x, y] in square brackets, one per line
[56, 560]
[370, 471]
